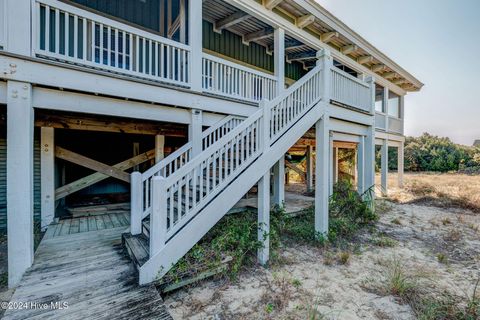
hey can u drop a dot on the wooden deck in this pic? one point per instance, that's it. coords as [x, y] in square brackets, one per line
[89, 223]
[91, 273]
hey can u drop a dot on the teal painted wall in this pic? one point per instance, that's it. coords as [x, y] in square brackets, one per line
[145, 14]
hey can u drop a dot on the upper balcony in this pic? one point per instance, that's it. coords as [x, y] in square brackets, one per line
[388, 111]
[226, 53]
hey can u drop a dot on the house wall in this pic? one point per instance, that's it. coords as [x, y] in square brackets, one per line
[231, 45]
[145, 14]
[3, 179]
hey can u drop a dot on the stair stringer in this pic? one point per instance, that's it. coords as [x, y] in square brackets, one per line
[158, 265]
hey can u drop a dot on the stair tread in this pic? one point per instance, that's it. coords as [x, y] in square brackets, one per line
[137, 247]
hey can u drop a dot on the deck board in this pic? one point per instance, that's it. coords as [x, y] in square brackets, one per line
[90, 271]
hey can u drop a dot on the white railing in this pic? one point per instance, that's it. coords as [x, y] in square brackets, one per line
[68, 33]
[380, 121]
[222, 77]
[3, 23]
[180, 157]
[395, 125]
[350, 91]
[180, 196]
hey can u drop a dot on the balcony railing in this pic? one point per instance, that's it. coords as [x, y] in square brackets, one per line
[395, 125]
[3, 21]
[380, 121]
[68, 33]
[233, 80]
[349, 90]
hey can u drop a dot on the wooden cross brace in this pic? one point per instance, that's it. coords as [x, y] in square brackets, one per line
[296, 169]
[103, 170]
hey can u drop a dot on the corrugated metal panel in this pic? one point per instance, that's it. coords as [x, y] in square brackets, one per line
[3, 184]
[231, 45]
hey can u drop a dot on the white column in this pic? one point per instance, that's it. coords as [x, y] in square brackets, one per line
[136, 202]
[333, 167]
[264, 217]
[279, 182]
[159, 148]
[309, 169]
[18, 27]
[361, 165]
[322, 140]
[369, 140]
[195, 132]
[195, 40]
[384, 166]
[401, 160]
[279, 58]
[47, 176]
[20, 117]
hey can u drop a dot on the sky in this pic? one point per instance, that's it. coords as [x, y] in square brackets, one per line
[438, 42]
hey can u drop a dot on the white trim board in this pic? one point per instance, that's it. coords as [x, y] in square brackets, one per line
[89, 81]
[77, 102]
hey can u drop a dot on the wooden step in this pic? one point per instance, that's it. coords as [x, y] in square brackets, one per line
[137, 248]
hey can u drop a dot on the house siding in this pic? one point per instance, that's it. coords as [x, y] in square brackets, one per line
[3, 184]
[231, 45]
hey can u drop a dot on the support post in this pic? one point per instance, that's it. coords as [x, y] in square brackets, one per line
[47, 176]
[400, 164]
[361, 165]
[20, 120]
[158, 218]
[195, 132]
[384, 165]
[136, 205]
[159, 148]
[19, 30]
[195, 40]
[279, 58]
[369, 142]
[322, 146]
[279, 182]
[309, 168]
[264, 217]
[136, 152]
[332, 167]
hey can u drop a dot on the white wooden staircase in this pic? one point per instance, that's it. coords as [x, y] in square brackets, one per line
[176, 202]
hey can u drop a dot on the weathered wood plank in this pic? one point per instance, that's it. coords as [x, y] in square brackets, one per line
[83, 224]
[89, 180]
[108, 222]
[100, 222]
[75, 226]
[90, 271]
[89, 163]
[92, 224]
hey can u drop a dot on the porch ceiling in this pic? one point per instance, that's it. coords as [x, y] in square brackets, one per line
[292, 10]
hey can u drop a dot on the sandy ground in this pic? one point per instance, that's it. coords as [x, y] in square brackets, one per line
[443, 245]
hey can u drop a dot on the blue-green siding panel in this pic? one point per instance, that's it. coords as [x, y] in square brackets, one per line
[231, 45]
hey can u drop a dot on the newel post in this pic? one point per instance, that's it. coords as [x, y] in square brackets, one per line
[325, 60]
[136, 207]
[158, 217]
[195, 29]
[371, 83]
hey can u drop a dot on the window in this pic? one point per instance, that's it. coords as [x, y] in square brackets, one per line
[379, 98]
[393, 104]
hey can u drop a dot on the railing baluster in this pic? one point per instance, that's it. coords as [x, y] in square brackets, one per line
[57, 31]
